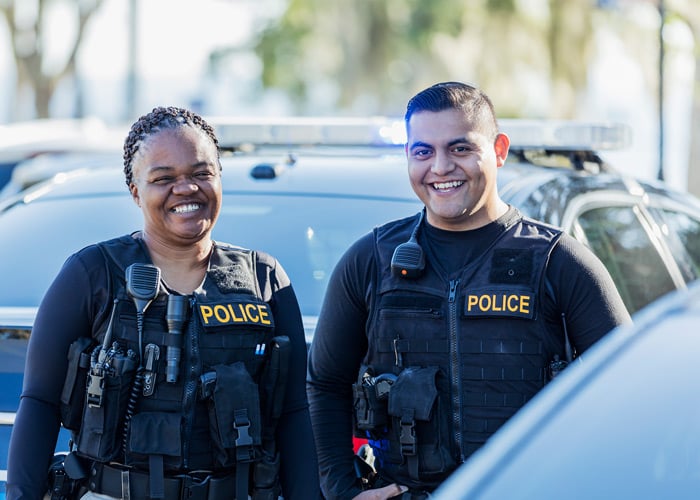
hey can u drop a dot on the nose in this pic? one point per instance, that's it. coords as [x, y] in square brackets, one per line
[185, 185]
[442, 163]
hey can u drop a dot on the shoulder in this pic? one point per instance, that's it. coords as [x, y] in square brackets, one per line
[540, 227]
[267, 266]
[95, 252]
[396, 225]
[572, 261]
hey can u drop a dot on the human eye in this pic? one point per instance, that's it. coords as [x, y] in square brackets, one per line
[461, 149]
[421, 152]
[162, 179]
[204, 175]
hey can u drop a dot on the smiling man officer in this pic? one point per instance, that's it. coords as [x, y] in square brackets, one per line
[438, 327]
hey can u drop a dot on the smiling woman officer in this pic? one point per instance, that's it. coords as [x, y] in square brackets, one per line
[176, 361]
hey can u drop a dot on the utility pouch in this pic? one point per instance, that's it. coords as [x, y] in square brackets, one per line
[155, 433]
[73, 393]
[109, 386]
[266, 478]
[234, 415]
[370, 397]
[420, 436]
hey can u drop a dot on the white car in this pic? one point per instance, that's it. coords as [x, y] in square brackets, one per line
[622, 423]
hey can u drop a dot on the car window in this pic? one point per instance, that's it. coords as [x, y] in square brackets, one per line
[683, 235]
[618, 237]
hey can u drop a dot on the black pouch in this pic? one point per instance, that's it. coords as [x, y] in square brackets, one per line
[266, 483]
[155, 433]
[420, 434]
[234, 416]
[73, 393]
[102, 429]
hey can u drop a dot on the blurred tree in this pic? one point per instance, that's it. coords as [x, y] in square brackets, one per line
[373, 54]
[28, 23]
[689, 12]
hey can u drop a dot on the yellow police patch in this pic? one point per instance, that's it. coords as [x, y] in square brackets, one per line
[235, 313]
[513, 303]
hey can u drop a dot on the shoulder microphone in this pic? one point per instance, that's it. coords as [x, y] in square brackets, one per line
[142, 284]
[408, 260]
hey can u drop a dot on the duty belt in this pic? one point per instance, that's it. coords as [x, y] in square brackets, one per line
[132, 484]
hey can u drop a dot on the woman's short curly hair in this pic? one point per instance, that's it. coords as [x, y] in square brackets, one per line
[161, 118]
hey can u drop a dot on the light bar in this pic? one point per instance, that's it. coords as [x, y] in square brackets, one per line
[309, 131]
[388, 132]
[566, 135]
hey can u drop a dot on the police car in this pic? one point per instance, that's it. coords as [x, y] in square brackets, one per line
[304, 189]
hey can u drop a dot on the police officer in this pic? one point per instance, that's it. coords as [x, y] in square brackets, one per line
[438, 327]
[177, 361]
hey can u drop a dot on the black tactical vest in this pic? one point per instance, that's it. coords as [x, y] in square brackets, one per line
[224, 350]
[468, 350]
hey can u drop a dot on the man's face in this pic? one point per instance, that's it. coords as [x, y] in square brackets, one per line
[177, 184]
[452, 168]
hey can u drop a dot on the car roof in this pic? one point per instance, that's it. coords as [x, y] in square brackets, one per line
[352, 176]
[670, 322]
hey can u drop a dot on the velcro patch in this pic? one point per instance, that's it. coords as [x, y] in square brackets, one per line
[236, 313]
[499, 302]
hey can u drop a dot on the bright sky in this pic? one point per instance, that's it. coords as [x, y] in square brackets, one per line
[174, 36]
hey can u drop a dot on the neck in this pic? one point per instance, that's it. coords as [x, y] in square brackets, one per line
[182, 268]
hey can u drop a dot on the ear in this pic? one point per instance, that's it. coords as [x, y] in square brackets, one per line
[500, 147]
[135, 194]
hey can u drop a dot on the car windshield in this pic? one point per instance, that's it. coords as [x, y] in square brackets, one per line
[306, 233]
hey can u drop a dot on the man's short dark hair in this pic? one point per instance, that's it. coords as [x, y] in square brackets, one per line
[473, 102]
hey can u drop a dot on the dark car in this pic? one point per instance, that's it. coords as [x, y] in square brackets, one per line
[622, 423]
[305, 189]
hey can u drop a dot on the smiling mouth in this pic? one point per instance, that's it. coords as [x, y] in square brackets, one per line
[441, 186]
[186, 209]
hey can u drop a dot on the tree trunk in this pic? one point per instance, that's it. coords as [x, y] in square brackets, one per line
[694, 159]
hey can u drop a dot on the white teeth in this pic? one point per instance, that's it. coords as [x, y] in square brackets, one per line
[447, 185]
[183, 209]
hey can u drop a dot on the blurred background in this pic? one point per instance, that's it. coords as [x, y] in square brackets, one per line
[630, 61]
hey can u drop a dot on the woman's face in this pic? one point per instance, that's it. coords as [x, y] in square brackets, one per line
[177, 185]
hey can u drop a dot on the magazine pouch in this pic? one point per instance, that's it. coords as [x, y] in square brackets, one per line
[234, 415]
[419, 436]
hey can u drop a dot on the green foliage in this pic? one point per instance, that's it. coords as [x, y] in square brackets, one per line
[371, 55]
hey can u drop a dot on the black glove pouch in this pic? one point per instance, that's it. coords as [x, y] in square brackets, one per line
[234, 416]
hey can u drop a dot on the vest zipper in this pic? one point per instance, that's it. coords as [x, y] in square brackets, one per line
[190, 385]
[453, 315]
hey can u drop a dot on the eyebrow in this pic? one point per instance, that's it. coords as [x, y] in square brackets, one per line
[453, 142]
[157, 168]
